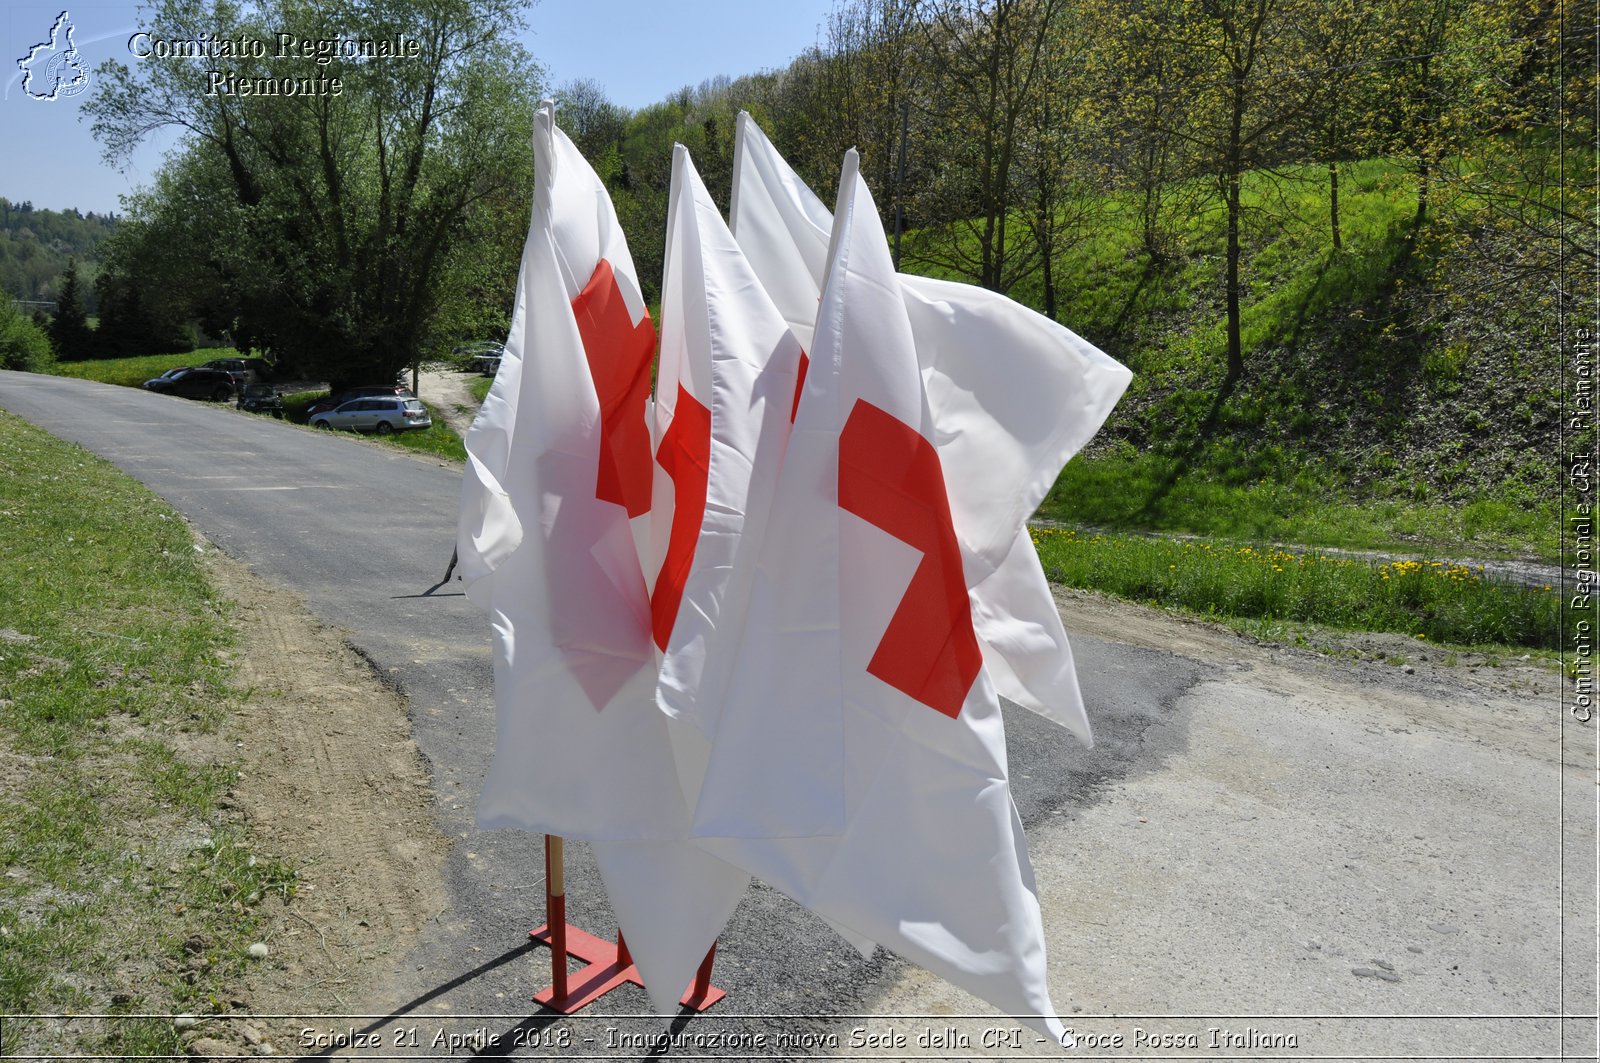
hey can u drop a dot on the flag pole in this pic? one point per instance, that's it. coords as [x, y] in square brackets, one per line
[555, 908]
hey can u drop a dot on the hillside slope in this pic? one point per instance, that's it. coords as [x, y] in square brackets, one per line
[1402, 388]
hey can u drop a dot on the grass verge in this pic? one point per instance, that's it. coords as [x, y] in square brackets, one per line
[127, 888]
[1432, 600]
[439, 439]
[1123, 491]
[133, 372]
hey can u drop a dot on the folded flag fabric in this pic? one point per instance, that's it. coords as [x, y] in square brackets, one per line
[725, 392]
[1012, 394]
[858, 758]
[553, 528]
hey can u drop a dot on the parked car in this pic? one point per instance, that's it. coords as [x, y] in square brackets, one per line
[380, 415]
[483, 357]
[261, 398]
[234, 367]
[197, 383]
[366, 392]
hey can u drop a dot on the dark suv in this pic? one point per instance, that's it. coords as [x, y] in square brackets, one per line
[198, 383]
[261, 398]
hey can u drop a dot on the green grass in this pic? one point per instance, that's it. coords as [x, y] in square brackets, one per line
[480, 387]
[133, 372]
[113, 674]
[1397, 393]
[1118, 489]
[1437, 601]
[439, 439]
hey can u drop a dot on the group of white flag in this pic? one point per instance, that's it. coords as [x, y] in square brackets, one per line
[760, 623]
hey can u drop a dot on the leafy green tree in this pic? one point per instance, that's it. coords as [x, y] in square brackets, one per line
[1136, 73]
[1059, 179]
[345, 227]
[990, 54]
[23, 344]
[1250, 93]
[70, 333]
[1343, 37]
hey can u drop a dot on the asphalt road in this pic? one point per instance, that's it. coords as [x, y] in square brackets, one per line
[361, 531]
[1263, 843]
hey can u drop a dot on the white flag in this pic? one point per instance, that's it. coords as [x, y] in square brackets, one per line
[726, 390]
[858, 762]
[1012, 394]
[554, 509]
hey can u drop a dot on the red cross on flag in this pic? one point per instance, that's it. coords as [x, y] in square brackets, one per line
[858, 759]
[1012, 395]
[555, 507]
[559, 460]
[725, 390]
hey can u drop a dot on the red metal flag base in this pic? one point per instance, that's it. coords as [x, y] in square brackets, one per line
[606, 966]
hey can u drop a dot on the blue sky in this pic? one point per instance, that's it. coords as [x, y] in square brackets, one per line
[639, 50]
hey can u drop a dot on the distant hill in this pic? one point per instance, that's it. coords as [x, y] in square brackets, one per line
[35, 246]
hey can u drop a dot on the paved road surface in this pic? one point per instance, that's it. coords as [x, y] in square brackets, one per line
[1253, 836]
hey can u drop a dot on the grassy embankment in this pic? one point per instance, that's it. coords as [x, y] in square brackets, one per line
[128, 889]
[1398, 394]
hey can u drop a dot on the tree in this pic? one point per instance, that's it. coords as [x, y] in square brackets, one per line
[594, 123]
[70, 333]
[1251, 94]
[23, 345]
[1059, 182]
[990, 55]
[346, 225]
[1341, 37]
[1136, 72]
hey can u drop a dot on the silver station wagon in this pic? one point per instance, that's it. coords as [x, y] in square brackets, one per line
[380, 415]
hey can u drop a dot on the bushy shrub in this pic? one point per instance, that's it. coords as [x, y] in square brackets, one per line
[23, 344]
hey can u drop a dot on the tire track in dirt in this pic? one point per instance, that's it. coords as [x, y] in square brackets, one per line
[333, 784]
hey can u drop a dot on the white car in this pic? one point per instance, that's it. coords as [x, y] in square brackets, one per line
[381, 415]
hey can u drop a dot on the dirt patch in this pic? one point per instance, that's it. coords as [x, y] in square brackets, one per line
[330, 781]
[449, 391]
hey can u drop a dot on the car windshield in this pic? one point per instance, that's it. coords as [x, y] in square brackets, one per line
[413, 404]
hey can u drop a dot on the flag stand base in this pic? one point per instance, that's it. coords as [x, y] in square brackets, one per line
[606, 966]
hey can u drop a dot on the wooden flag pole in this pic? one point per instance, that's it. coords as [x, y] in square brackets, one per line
[555, 909]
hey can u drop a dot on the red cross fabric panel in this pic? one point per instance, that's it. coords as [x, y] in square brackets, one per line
[685, 454]
[889, 476]
[619, 354]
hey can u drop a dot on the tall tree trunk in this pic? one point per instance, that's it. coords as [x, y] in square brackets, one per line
[1235, 350]
[1424, 177]
[1333, 201]
[1049, 280]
